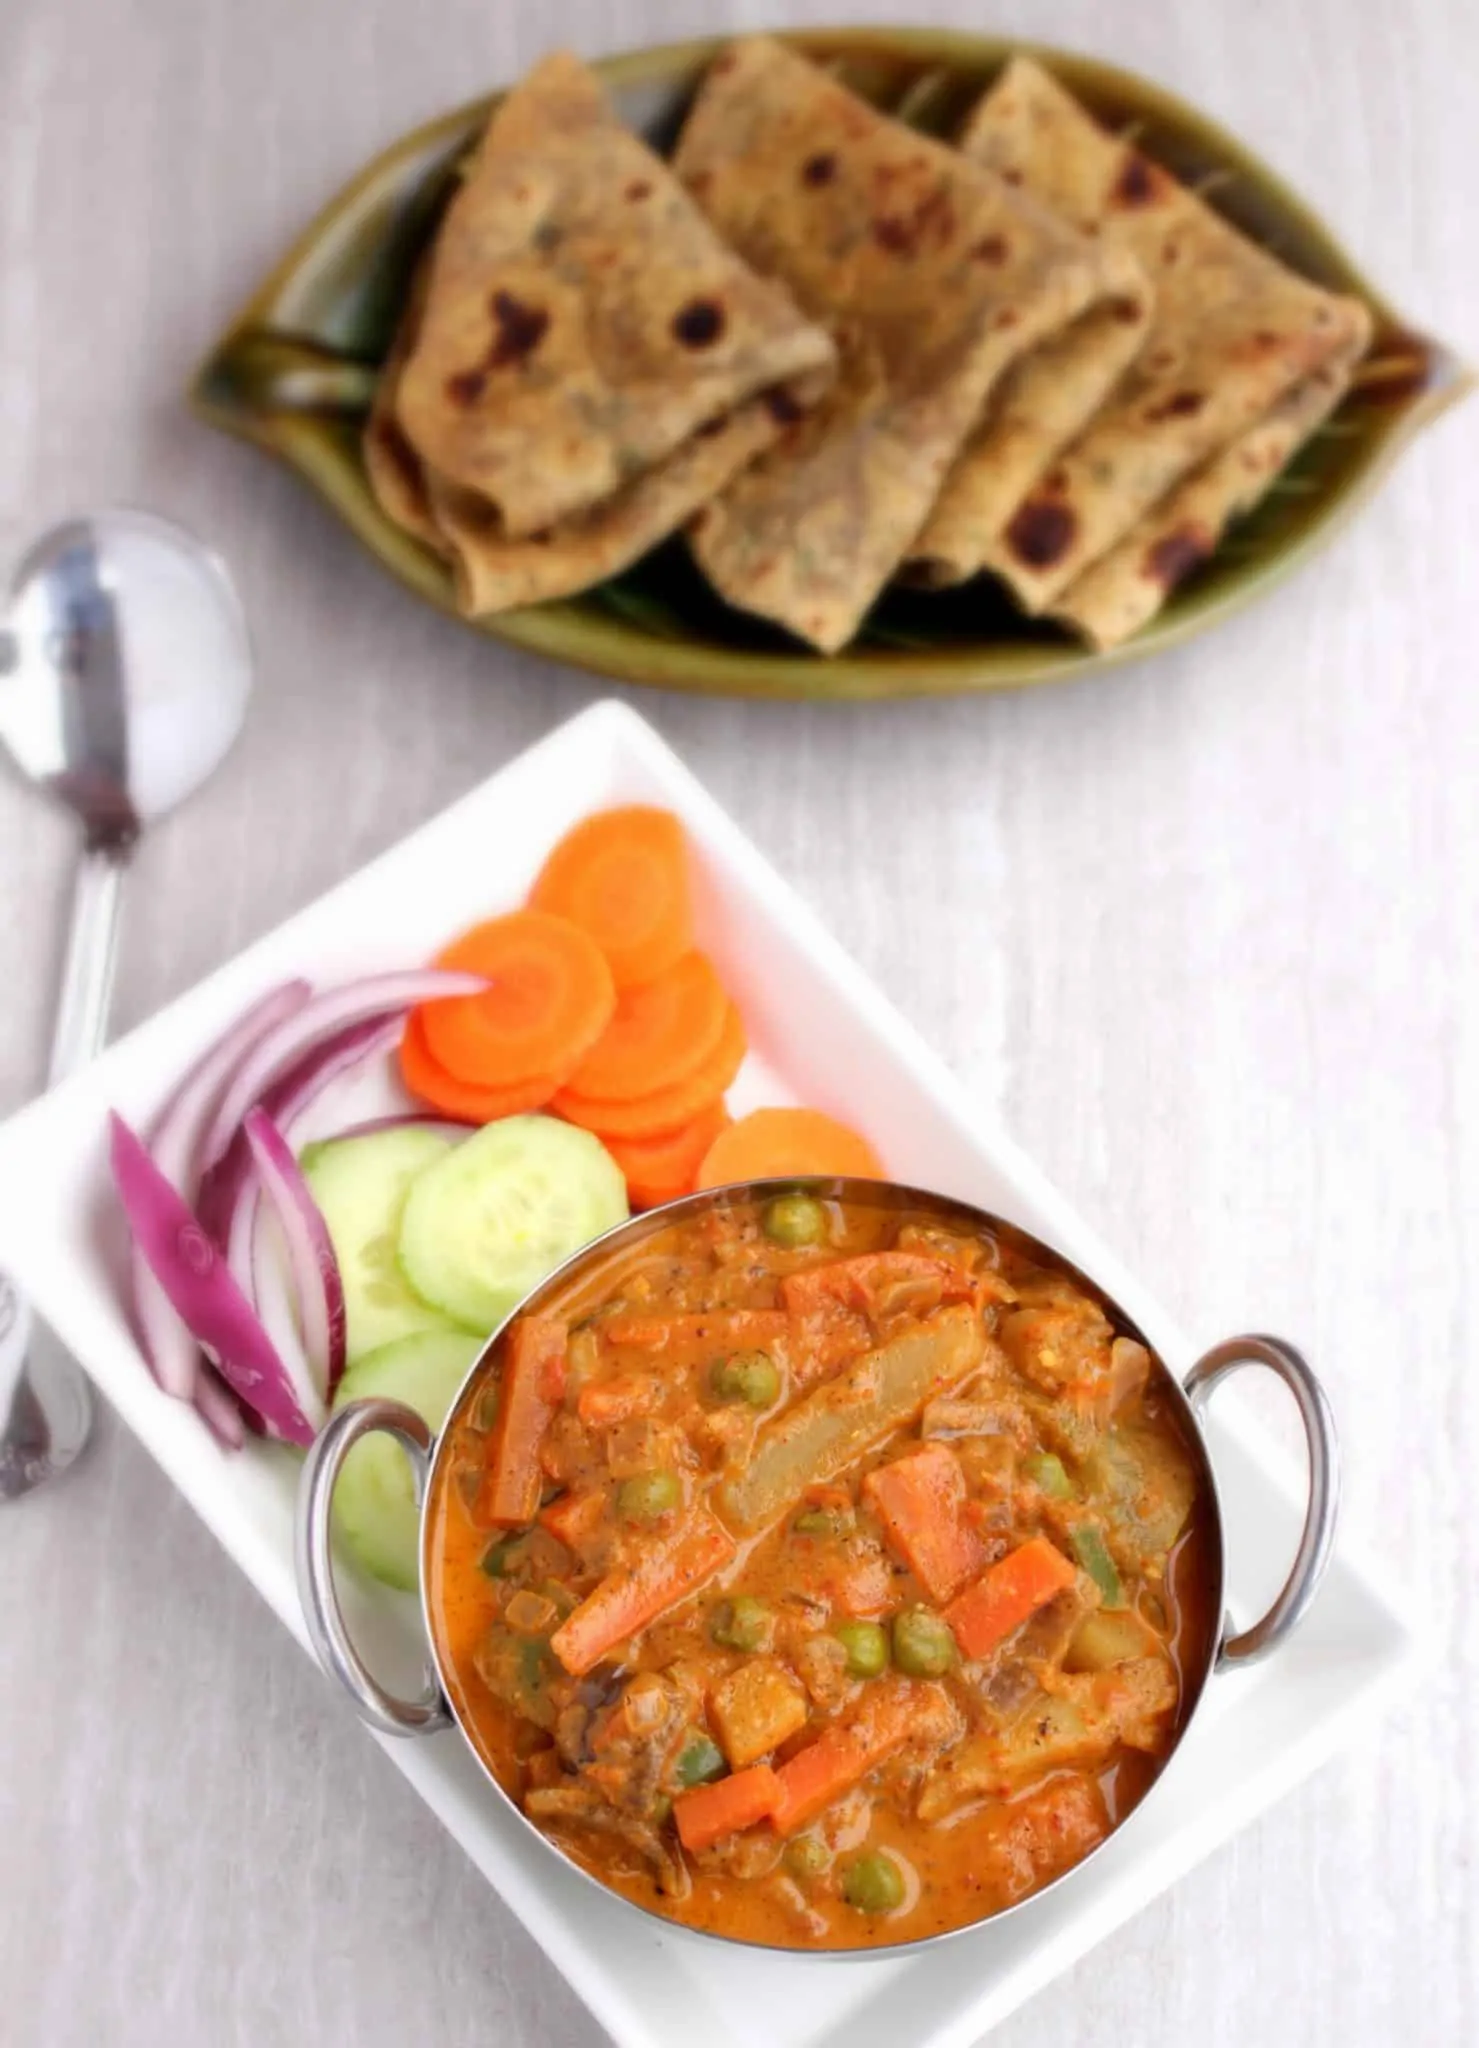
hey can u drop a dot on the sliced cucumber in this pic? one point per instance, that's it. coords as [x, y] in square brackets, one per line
[374, 1502]
[486, 1223]
[360, 1185]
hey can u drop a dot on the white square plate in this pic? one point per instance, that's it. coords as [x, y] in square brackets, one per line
[821, 1033]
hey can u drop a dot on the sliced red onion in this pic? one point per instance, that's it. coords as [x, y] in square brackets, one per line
[200, 1288]
[317, 1287]
[172, 1353]
[230, 1203]
[175, 1138]
[322, 1019]
[218, 1407]
[287, 1102]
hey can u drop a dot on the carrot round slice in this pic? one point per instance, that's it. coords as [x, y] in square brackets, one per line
[665, 1109]
[549, 998]
[430, 1083]
[659, 1033]
[782, 1143]
[661, 1169]
[622, 876]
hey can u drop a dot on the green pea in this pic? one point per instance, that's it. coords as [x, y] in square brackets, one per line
[748, 1376]
[1048, 1475]
[866, 1645]
[794, 1220]
[923, 1644]
[807, 1856]
[873, 1884]
[743, 1623]
[699, 1761]
[648, 1496]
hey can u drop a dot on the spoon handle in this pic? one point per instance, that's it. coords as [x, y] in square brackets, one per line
[92, 953]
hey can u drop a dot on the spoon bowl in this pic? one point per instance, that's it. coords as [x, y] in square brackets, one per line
[124, 677]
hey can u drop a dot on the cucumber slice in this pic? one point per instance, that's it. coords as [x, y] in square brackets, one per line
[375, 1512]
[360, 1186]
[485, 1224]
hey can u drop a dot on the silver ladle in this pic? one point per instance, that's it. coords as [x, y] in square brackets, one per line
[124, 677]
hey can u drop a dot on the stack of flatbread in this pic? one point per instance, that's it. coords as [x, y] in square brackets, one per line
[935, 277]
[1240, 363]
[584, 362]
[837, 352]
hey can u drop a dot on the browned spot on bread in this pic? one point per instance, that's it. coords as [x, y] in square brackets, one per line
[700, 181]
[784, 409]
[1139, 182]
[1041, 533]
[466, 387]
[700, 519]
[929, 224]
[519, 329]
[1007, 317]
[478, 514]
[820, 169]
[639, 188]
[1012, 175]
[714, 426]
[1177, 554]
[1126, 311]
[699, 324]
[991, 249]
[1181, 405]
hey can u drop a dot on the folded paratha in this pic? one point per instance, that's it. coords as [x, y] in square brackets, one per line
[1233, 332]
[1041, 406]
[494, 572]
[582, 321]
[1126, 587]
[933, 275]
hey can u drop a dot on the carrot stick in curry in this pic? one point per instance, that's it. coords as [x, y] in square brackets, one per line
[921, 1500]
[709, 1812]
[531, 1389]
[628, 1600]
[1027, 1578]
[867, 1282]
[842, 1756]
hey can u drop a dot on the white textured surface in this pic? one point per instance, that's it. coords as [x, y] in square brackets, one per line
[1205, 933]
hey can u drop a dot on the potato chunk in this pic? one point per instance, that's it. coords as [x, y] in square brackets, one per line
[755, 1709]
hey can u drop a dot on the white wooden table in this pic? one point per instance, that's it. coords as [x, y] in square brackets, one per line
[1204, 932]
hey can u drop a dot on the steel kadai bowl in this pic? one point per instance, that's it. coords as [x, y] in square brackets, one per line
[1223, 1648]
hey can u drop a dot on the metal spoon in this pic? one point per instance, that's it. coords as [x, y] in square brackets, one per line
[124, 676]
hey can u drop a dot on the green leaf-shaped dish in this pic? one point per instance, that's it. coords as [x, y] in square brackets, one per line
[296, 371]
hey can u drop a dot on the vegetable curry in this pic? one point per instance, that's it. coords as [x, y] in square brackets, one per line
[821, 1574]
